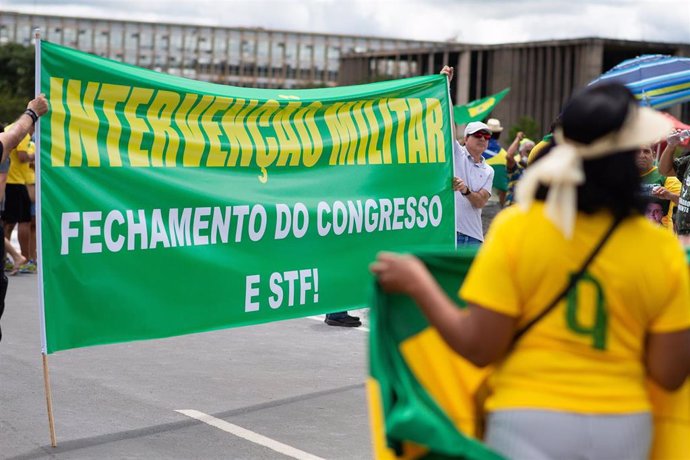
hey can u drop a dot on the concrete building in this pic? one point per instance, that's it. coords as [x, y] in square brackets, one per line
[238, 56]
[541, 75]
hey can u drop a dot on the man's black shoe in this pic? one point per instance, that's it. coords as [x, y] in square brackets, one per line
[356, 318]
[347, 321]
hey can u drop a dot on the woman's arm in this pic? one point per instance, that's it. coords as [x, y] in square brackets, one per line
[512, 150]
[480, 335]
[666, 160]
[23, 126]
[668, 358]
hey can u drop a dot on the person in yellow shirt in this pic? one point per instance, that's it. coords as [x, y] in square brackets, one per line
[29, 175]
[9, 139]
[17, 209]
[12, 268]
[572, 352]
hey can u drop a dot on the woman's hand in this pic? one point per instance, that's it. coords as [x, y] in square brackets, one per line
[401, 273]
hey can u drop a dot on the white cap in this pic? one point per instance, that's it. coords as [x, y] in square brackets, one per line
[474, 126]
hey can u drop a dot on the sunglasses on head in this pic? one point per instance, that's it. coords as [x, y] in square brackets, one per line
[480, 135]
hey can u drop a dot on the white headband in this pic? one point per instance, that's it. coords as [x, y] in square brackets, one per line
[562, 168]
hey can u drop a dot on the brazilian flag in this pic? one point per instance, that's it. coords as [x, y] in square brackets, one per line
[478, 109]
[421, 393]
[496, 158]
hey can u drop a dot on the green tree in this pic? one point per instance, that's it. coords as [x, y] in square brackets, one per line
[16, 79]
[527, 125]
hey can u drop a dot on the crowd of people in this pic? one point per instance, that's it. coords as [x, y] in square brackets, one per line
[660, 189]
[580, 290]
[579, 293]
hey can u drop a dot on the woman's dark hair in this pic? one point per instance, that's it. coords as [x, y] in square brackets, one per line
[611, 182]
[595, 112]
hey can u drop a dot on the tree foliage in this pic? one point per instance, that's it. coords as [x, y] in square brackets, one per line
[527, 125]
[16, 80]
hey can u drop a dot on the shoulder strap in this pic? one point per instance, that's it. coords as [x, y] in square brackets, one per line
[573, 279]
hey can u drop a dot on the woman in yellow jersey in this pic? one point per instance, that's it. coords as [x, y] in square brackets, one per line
[573, 386]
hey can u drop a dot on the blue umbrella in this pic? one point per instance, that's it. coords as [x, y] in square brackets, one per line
[658, 80]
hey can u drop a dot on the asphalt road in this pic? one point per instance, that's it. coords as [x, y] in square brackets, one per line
[292, 389]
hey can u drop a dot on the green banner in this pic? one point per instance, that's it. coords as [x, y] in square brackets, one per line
[170, 206]
[477, 110]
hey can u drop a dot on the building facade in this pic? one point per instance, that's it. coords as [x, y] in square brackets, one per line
[237, 56]
[541, 75]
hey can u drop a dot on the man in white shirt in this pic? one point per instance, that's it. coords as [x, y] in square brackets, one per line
[472, 183]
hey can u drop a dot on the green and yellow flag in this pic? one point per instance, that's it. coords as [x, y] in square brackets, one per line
[169, 206]
[421, 393]
[424, 398]
[478, 109]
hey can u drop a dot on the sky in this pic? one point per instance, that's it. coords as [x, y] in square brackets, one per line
[476, 21]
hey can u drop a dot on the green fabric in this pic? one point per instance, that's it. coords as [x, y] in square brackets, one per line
[478, 109]
[170, 206]
[654, 178]
[649, 181]
[410, 414]
[500, 177]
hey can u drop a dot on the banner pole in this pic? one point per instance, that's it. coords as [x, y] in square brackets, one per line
[44, 347]
[49, 401]
[452, 153]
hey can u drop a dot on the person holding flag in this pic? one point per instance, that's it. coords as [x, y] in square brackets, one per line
[472, 180]
[564, 298]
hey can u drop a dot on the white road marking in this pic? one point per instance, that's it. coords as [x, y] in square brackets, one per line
[322, 317]
[243, 433]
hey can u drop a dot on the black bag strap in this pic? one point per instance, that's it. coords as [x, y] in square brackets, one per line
[573, 279]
